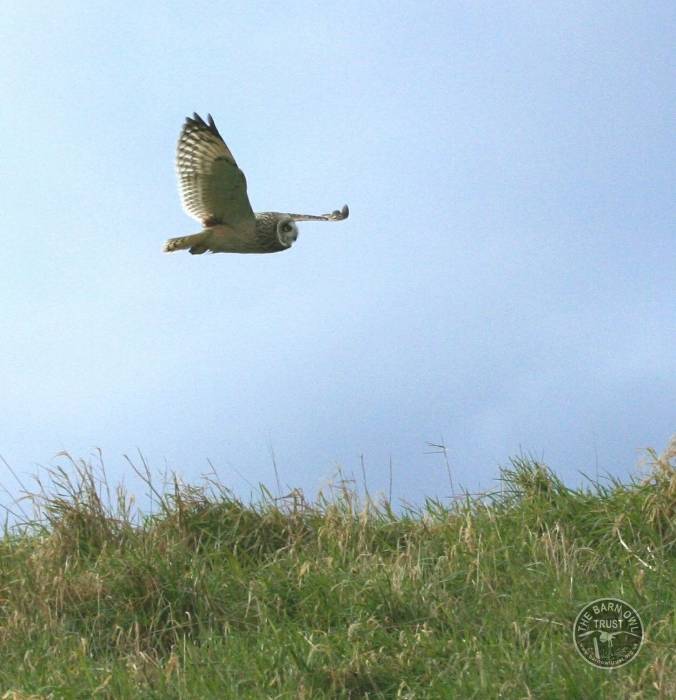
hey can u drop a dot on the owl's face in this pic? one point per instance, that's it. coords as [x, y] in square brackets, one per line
[287, 231]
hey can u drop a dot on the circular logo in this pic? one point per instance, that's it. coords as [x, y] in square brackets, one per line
[608, 633]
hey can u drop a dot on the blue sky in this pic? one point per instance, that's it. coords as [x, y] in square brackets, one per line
[505, 280]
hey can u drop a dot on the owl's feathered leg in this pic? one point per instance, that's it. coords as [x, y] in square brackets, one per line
[196, 244]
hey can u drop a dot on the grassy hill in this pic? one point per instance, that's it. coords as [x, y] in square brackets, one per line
[213, 598]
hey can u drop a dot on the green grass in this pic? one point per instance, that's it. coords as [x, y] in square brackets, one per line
[210, 597]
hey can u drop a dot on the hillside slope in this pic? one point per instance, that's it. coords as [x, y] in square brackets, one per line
[211, 597]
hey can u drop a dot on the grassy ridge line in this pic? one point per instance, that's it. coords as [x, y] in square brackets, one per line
[211, 597]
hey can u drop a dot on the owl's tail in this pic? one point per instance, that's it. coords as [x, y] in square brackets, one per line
[196, 244]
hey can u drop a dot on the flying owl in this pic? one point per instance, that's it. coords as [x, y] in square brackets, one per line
[213, 191]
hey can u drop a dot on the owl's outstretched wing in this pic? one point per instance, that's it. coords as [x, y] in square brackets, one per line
[213, 188]
[336, 215]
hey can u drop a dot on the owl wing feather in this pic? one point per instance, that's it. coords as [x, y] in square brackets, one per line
[212, 187]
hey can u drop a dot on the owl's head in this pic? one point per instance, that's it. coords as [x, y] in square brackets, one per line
[287, 231]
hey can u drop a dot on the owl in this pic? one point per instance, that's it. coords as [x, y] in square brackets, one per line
[213, 191]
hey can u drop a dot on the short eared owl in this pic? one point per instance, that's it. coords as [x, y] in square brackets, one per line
[213, 190]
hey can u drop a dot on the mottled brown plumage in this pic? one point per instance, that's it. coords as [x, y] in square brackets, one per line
[213, 191]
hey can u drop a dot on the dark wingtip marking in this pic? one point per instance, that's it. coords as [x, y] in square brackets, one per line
[339, 214]
[213, 127]
[195, 119]
[210, 124]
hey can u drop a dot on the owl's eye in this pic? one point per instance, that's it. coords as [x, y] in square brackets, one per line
[287, 228]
